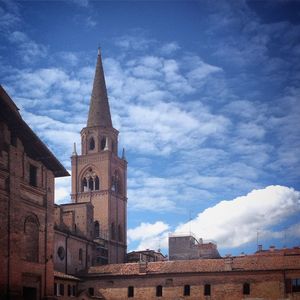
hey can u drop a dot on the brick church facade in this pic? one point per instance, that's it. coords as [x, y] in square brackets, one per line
[78, 250]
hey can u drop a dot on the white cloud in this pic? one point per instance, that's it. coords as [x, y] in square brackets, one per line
[28, 49]
[149, 236]
[236, 222]
[169, 48]
[63, 189]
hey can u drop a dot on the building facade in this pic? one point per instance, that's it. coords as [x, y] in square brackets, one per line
[78, 250]
[186, 246]
[272, 274]
[27, 172]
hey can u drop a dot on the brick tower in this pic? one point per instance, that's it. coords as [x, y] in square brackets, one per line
[99, 176]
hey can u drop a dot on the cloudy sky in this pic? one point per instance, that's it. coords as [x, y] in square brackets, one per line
[205, 95]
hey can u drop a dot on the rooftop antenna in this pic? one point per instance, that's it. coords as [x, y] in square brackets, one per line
[257, 238]
[190, 225]
[284, 239]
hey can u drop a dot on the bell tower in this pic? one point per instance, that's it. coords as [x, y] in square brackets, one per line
[99, 175]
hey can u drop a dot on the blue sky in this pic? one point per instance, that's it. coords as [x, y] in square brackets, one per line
[205, 95]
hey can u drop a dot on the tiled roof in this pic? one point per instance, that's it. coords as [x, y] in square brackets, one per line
[268, 261]
[65, 276]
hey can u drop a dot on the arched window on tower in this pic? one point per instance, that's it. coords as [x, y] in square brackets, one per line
[97, 185]
[90, 181]
[31, 239]
[91, 144]
[103, 143]
[113, 231]
[112, 147]
[116, 185]
[84, 185]
[120, 233]
[91, 184]
[96, 229]
[80, 255]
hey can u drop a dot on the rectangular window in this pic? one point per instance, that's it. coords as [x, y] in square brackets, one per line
[61, 289]
[159, 291]
[69, 290]
[74, 290]
[130, 292]
[13, 139]
[296, 285]
[186, 290]
[55, 289]
[207, 290]
[91, 291]
[246, 288]
[32, 175]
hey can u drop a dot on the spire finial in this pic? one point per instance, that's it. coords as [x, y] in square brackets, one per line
[123, 154]
[74, 150]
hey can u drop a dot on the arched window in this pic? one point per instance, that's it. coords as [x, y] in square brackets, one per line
[116, 185]
[80, 255]
[112, 147]
[96, 229]
[90, 181]
[120, 233]
[91, 144]
[91, 184]
[103, 143]
[97, 185]
[84, 187]
[113, 231]
[61, 253]
[31, 239]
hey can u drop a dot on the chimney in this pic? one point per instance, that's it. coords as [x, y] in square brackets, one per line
[228, 263]
[142, 267]
[272, 248]
[259, 248]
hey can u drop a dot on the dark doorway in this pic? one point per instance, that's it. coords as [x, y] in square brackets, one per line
[29, 293]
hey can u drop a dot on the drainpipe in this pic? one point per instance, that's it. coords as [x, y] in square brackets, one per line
[8, 228]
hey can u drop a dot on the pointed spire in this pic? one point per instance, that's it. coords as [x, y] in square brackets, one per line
[74, 150]
[99, 113]
[123, 154]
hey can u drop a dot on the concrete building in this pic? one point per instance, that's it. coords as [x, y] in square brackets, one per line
[27, 172]
[145, 256]
[186, 246]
